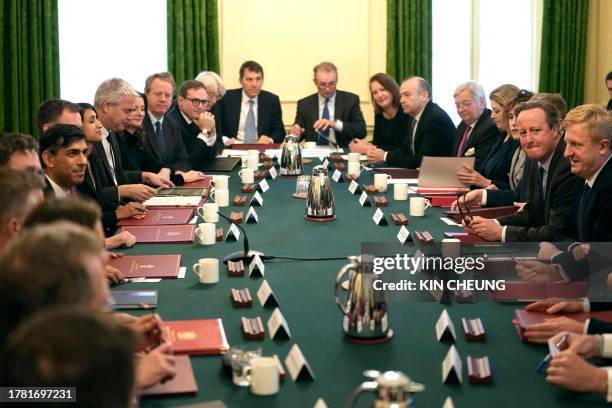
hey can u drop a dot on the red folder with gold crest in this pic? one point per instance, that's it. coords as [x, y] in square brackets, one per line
[196, 337]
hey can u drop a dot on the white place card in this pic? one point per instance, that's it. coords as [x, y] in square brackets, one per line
[181, 273]
[379, 218]
[320, 403]
[272, 173]
[337, 176]
[364, 201]
[448, 221]
[257, 200]
[256, 267]
[448, 403]
[277, 326]
[403, 235]
[297, 365]
[445, 328]
[353, 187]
[266, 296]
[251, 217]
[263, 186]
[233, 233]
[325, 163]
[452, 367]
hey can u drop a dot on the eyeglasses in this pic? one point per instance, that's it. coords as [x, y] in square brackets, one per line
[329, 85]
[467, 218]
[465, 104]
[197, 102]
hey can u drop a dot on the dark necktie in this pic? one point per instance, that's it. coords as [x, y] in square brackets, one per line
[582, 207]
[411, 136]
[161, 142]
[464, 138]
[541, 182]
[325, 115]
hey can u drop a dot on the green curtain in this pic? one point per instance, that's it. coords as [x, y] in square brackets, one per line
[193, 38]
[29, 72]
[409, 40]
[564, 43]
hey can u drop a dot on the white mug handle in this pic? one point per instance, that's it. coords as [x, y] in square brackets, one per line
[389, 177]
[199, 232]
[196, 269]
[212, 195]
[201, 214]
[427, 204]
[240, 173]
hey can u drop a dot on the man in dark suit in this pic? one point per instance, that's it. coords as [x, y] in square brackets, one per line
[477, 132]
[329, 115]
[250, 114]
[196, 123]
[550, 182]
[430, 132]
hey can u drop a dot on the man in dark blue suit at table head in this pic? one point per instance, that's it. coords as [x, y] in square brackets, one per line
[430, 133]
[477, 132]
[250, 114]
[329, 116]
[196, 123]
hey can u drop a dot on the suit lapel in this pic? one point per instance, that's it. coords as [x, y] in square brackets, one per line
[553, 172]
[102, 155]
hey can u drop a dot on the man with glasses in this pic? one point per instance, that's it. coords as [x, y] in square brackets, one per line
[250, 114]
[196, 123]
[477, 132]
[329, 117]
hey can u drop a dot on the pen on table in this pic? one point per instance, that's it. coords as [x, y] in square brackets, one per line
[549, 357]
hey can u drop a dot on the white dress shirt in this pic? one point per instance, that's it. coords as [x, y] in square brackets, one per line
[108, 151]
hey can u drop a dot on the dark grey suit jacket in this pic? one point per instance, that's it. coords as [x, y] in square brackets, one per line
[346, 108]
[482, 138]
[177, 157]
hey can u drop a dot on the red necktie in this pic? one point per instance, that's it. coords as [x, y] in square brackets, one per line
[464, 138]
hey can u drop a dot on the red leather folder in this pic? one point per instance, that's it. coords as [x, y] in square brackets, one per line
[255, 146]
[526, 318]
[440, 200]
[183, 382]
[523, 291]
[197, 337]
[162, 233]
[206, 182]
[172, 216]
[486, 212]
[148, 266]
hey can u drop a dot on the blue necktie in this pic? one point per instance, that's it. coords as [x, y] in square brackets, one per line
[541, 182]
[250, 130]
[325, 115]
[161, 142]
[582, 207]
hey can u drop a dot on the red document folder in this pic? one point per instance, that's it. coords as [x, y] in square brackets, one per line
[163, 233]
[195, 337]
[161, 217]
[526, 318]
[183, 383]
[206, 182]
[529, 291]
[148, 266]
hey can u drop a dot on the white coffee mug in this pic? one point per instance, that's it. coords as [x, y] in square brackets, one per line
[253, 161]
[247, 175]
[418, 205]
[207, 270]
[354, 157]
[400, 192]
[381, 180]
[263, 376]
[206, 233]
[310, 145]
[221, 182]
[451, 248]
[208, 211]
[221, 197]
[354, 169]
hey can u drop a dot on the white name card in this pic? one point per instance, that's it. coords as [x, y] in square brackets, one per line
[353, 187]
[403, 235]
[452, 366]
[337, 176]
[257, 200]
[297, 365]
[364, 201]
[277, 325]
[251, 217]
[379, 218]
[445, 328]
[256, 267]
[266, 296]
[263, 186]
[272, 172]
[233, 233]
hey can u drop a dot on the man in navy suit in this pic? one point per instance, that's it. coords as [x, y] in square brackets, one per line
[430, 132]
[250, 114]
[329, 116]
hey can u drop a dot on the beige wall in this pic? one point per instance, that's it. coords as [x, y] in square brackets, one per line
[599, 51]
[298, 34]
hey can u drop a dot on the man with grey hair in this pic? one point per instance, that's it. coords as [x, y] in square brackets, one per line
[430, 132]
[114, 100]
[329, 116]
[477, 132]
